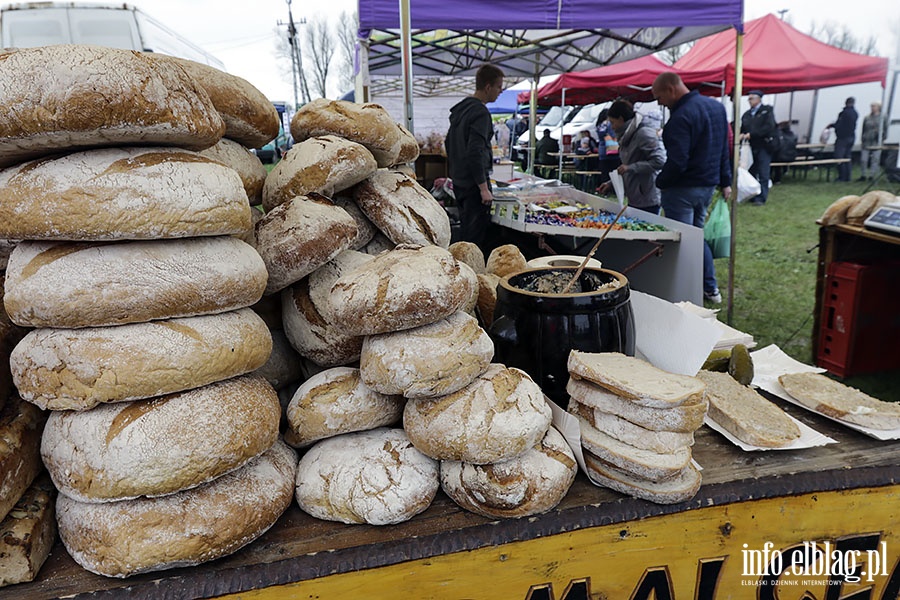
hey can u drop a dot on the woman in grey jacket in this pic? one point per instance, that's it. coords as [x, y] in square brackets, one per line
[642, 156]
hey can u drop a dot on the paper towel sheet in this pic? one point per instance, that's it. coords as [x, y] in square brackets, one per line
[618, 185]
[771, 361]
[809, 437]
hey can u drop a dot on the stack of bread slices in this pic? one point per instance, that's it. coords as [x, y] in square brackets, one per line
[163, 444]
[637, 425]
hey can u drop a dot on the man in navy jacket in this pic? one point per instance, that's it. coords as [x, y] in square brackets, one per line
[758, 126]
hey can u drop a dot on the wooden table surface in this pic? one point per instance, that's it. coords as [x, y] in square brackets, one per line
[300, 547]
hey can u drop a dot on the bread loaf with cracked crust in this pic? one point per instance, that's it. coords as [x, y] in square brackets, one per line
[246, 164]
[81, 284]
[68, 96]
[28, 532]
[119, 539]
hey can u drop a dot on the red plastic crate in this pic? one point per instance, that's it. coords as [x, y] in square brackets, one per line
[860, 320]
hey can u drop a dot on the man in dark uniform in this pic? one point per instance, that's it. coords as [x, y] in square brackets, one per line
[759, 127]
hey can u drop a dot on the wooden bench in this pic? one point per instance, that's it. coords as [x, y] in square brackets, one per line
[806, 164]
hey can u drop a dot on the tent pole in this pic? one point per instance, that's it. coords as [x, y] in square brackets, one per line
[361, 79]
[406, 45]
[532, 116]
[812, 116]
[562, 109]
[732, 201]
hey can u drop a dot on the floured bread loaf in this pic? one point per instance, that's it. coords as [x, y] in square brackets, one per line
[428, 361]
[497, 417]
[121, 193]
[468, 253]
[409, 146]
[283, 367]
[160, 445]
[745, 414]
[506, 260]
[366, 230]
[529, 484]
[28, 533]
[685, 418]
[487, 297]
[250, 118]
[21, 424]
[297, 237]
[403, 209]
[838, 401]
[472, 301]
[376, 477]
[367, 124]
[118, 539]
[76, 369]
[246, 164]
[321, 165]
[404, 288]
[635, 379]
[55, 284]
[867, 204]
[69, 96]
[836, 213]
[629, 433]
[336, 401]
[683, 486]
[307, 318]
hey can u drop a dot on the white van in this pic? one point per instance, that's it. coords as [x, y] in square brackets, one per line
[29, 24]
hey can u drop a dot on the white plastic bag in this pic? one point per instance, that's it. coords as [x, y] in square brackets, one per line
[746, 155]
[747, 185]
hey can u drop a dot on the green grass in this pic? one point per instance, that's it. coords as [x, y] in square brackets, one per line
[775, 272]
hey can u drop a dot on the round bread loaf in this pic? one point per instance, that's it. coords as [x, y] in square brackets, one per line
[76, 369]
[497, 417]
[160, 445]
[406, 287]
[321, 165]
[365, 229]
[118, 539]
[470, 254]
[376, 477]
[307, 318]
[409, 146]
[367, 124]
[246, 164]
[283, 367]
[297, 237]
[68, 96]
[250, 119]
[336, 401]
[529, 484]
[122, 193]
[56, 284]
[487, 297]
[469, 305]
[506, 260]
[428, 361]
[403, 209]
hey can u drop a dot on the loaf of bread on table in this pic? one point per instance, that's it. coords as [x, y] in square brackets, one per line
[246, 164]
[497, 417]
[838, 401]
[630, 433]
[21, 425]
[532, 483]
[745, 414]
[76, 369]
[506, 260]
[27, 533]
[376, 477]
[64, 97]
[867, 204]
[635, 379]
[836, 213]
[683, 486]
[118, 539]
[55, 284]
[468, 253]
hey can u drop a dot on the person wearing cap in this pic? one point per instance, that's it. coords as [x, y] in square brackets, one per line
[870, 155]
[844, 136]
[758, 126]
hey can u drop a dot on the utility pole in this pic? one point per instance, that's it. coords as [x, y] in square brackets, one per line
[296, 58]
[781, 13]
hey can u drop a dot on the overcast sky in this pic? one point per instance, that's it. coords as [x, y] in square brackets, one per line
[243, 34]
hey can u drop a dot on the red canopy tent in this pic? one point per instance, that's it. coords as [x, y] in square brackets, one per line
[777, 58]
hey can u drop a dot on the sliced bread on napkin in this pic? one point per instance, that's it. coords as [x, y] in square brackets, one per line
[838, 401]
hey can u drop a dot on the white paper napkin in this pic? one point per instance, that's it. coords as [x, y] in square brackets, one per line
[809, 437]
[618, 185]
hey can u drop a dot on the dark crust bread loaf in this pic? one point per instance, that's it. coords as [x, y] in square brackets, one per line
[246, 164]
[21, 425]
[367, 124]
[250, 118]
[409, 146]
[161, 445]
[76, 369]
[121, 194]
[28, 532]
[323, 165]
[118, 539]
[70, 96]
[55, 284]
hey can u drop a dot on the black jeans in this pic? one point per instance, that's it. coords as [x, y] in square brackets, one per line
[842, 149]
[474, 217]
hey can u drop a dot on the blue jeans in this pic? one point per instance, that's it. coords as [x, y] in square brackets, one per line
[689, 205]
[842, 149]
[762, 170]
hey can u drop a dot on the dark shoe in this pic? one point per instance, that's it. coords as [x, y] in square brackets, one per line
[757, 202]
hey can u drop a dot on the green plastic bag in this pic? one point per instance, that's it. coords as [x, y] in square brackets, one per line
[717, 230]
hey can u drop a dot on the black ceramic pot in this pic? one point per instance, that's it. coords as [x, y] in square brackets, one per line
[535, 331]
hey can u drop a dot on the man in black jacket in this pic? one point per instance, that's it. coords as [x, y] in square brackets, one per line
[845, 135]
[469, 156]
[759, 127]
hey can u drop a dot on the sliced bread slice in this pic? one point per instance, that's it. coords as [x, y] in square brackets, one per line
[685, 418]
[629, 433]
[634, 378]
[745, 414]
[643, 464]
[680, 488]
[842, 402]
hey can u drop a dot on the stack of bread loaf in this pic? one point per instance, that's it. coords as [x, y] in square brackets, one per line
[637, 425]
[163, 444]
[854, 210]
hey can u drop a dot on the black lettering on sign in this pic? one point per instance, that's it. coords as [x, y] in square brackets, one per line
[892, 590]
[768, 583]
[708, 572]
[859, 543]
[655, 580]
[541, 591]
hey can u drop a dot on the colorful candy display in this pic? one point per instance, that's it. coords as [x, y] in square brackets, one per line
[558, 212]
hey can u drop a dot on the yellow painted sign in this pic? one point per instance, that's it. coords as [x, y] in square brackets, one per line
[824, 546]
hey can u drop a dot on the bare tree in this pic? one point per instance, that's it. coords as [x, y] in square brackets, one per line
[319, 44]
[840, 36]
[347, 25]
[671, 55]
